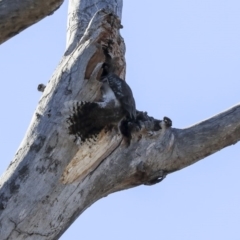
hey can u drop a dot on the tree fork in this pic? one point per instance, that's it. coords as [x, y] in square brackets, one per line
[39, 199]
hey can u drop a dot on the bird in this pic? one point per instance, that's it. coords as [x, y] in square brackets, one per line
[115, 90]
[116, 107]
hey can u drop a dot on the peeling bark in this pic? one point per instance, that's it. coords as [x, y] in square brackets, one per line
[52, 180]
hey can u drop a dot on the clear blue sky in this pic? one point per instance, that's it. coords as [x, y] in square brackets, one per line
[183, 61]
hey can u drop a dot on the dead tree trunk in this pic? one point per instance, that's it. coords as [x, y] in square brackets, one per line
[52, 179]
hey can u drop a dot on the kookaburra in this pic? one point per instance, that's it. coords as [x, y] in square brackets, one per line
[117, 91]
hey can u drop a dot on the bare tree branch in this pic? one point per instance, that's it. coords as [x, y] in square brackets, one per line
[207, 137]
[52, 180]
[15, 16]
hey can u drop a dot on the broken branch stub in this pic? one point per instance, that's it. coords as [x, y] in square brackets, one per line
[96, 128]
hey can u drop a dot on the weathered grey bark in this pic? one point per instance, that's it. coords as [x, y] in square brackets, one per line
[52, 180]
[81, 12]
[15, 16]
